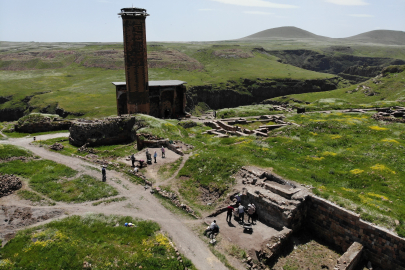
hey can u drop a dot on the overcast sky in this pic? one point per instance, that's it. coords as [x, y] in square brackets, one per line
[193, 20]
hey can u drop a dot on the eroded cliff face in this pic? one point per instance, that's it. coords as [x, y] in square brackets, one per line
[353, 68]
[250, 91]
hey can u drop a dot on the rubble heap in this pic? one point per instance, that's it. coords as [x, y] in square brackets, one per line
[394, 114]
[56, 146]
[8, 184]
[173, 198]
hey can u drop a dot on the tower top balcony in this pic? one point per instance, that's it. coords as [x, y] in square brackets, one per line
[133, 12]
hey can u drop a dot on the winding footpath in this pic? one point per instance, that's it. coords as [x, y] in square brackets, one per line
[139, 204]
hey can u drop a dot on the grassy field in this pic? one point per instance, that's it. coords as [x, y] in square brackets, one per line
[94, 239]
[55, 181]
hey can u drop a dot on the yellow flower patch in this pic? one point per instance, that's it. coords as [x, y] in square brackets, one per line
[356, 171]
[317, 120]
[377, 128]
[327, 153]
[334, 137]
[163, 240]
[348, 189]
[322, 188]
[313, 133]
[382, 197]
[315, 158]
[390, 140]
[383, 168]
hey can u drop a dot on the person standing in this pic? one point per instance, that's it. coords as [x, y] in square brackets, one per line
[133, 160]
[163, 152]
[229, 213]
[155, 156]
[251, 212]
[241, 211]
[103, 172]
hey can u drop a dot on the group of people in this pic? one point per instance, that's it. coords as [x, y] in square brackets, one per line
[239, 212]
[148, 157]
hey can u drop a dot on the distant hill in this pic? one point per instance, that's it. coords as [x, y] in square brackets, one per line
[388, 37]
[284, 32]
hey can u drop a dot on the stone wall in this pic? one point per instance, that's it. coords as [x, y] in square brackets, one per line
[105, 131]
[341, 228]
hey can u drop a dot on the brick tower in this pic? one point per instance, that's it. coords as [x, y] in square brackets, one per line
[136, 61]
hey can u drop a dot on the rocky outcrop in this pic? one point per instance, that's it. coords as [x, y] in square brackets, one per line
[41, 123]
[345, 65]
[255, 91]
[105, 131]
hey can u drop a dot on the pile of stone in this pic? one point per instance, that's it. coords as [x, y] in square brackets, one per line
[394, 114]
[56, 146]
[173, 198]
[280, 108]
[9, 184]
[87, 150]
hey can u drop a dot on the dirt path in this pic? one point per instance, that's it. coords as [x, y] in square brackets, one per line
[140, 203]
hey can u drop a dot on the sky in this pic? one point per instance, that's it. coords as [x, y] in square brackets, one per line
[193, 20]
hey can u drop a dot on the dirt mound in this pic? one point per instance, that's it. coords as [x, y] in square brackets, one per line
[9, 184]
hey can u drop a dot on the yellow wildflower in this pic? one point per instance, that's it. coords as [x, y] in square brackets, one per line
[378, 196]
[356, 171]
[390, 140]
[327, 153]
[334, 137]
[381, 167]
[378, 128]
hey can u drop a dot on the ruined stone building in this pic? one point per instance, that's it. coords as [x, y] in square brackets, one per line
[139, 95]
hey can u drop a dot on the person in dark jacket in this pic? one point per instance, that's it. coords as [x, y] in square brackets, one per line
[229, 210]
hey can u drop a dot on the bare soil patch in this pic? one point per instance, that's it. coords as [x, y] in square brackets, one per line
[13, 218]
[307, 252]
[232, 53]
[173, 59]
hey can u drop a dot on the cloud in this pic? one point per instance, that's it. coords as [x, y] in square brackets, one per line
[348, 2]
[205, 9]
[255, 3]
[258, 12]
[362, 15]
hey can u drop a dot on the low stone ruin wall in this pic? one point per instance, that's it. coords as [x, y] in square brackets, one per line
[341, 228]
[105, 131]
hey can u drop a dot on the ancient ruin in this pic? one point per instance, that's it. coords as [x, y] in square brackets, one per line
[225, 128]
[137, 95]
[290, 207]
[102, 131]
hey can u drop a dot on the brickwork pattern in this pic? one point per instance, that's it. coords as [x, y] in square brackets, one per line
[342, 227]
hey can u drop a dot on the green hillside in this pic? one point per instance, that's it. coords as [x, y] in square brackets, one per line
[76, 77]
[79, 80]
[385, 90]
